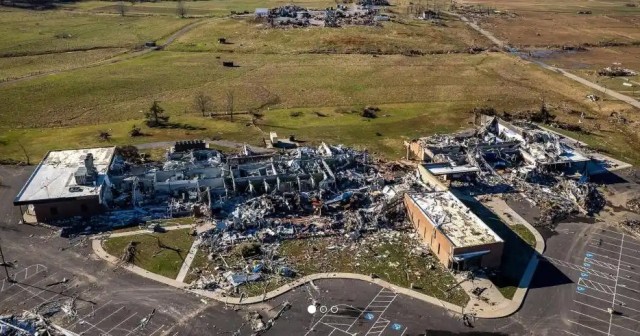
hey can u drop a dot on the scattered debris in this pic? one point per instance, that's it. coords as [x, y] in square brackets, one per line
[342, 15]
[616, 71]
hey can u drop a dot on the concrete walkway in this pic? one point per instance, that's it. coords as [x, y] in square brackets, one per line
[506, 308]
[186, 265]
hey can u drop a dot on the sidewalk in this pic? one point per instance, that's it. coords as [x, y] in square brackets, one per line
[499, 306]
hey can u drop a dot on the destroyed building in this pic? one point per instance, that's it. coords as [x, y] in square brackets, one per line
[342, 15]
[517, 156]
[69, 183]
[458, 238]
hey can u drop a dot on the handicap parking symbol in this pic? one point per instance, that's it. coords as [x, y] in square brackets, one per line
[396, 326]
[589, 255]
[587, 265]
[581, 289]
[368, 316]
[584, 275]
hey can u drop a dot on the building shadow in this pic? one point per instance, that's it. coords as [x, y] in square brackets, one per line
[517, 254]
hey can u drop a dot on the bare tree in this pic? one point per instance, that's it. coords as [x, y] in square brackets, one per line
[181, 9]
[122, 8]
[24, 151]
[230, 104]
[203, 103]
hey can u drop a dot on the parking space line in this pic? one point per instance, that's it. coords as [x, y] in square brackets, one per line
[123, 321]
[596, 286]
[613, 301]
[627, 242]
[626, 255]
[589, 316]
[579, 268]
[588, 305]
[92, 312]
[153, 333]
[600, 263]
[591, 296]
[616, 245]
[625, 328]
[570, 333]
[22, 289]
[613, 259]
[108, 316]
[582, 325]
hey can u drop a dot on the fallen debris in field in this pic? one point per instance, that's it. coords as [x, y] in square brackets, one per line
[616, 71]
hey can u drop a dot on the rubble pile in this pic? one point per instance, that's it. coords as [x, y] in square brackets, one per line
[634, 205]
[616, 71]
[631, 224]
[26, 324]
[342, 15]
[518, 156]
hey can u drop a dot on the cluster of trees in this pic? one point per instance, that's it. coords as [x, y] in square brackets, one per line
[205, 105]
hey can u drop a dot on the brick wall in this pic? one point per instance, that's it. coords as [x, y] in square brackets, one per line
[63, 209]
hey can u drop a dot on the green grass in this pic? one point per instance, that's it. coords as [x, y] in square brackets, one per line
[150, 256]
[37, 142]
[195, 8]
[388, 260]
[25, 32]
[524, 233]
[247, 36]
[16, 67]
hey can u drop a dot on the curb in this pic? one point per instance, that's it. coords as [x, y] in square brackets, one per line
[96, 245]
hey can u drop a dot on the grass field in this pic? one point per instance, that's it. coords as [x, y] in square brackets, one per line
[550, 22]
[25, 32]
[386, 260]
[402, 36]
[150, 256]
[419, 93]
[16, 67]
[194, 8]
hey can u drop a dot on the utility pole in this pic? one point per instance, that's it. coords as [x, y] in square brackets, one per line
[5, 265]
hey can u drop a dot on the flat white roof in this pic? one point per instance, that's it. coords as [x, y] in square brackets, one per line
[454, 219]
[55, 175]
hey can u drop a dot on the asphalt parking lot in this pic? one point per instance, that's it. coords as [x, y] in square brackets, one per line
[607, 286]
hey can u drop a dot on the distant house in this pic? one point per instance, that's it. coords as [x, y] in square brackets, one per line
[262, 12]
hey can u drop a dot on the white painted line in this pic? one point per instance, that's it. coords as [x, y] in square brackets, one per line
[616, 245]
[153, 333]
[626, 255]
[22, 289]
[613, 301]
[570, 333]
[613, 259]
[588, 305]
[582, 325]
[596, 286]
[108, 316]
[621, 327]
[123, 321]
[93, 311]
[591, 296]
[589, 316]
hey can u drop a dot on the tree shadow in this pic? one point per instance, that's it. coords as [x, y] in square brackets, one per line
[172, 125]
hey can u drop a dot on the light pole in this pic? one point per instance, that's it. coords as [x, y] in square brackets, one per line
[5, 265]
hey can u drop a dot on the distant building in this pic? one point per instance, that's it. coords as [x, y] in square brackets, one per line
[68, 183]
[455, 235]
